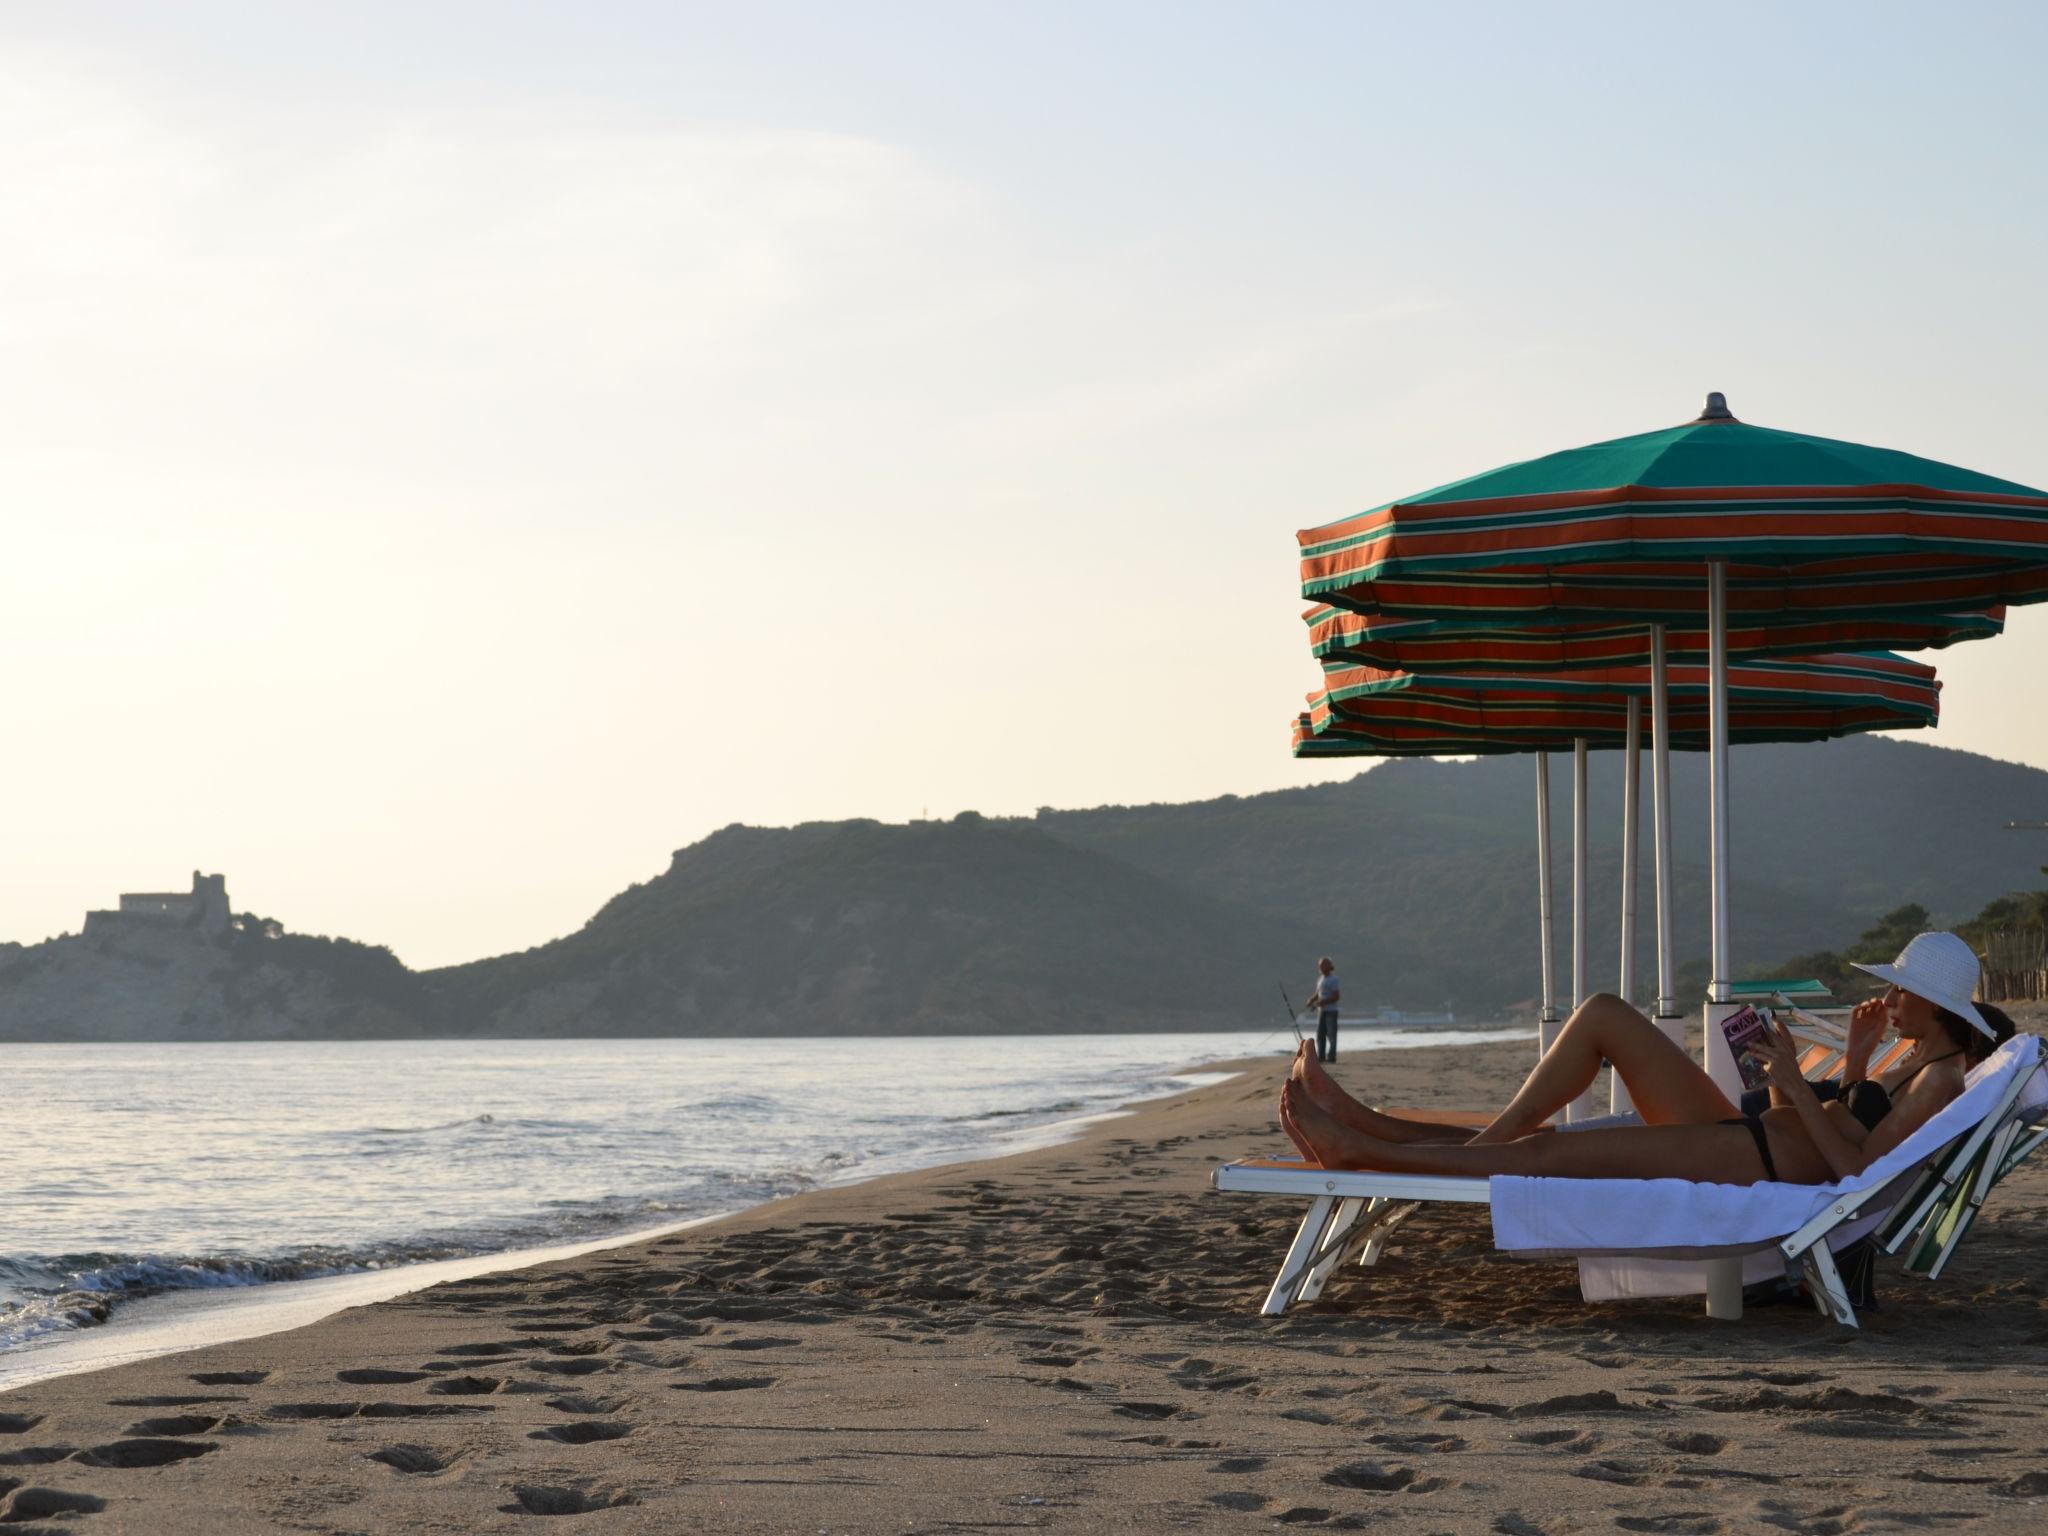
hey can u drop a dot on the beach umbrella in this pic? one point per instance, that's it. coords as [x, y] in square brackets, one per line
[1436, 645]
[1714, 524]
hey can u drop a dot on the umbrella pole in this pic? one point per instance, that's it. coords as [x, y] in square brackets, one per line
[1578, 871]
[1631, 823]
[1582, 1106]
[1547, 1024]
[1723, 1276]
[1717, 768]
[1660, 793]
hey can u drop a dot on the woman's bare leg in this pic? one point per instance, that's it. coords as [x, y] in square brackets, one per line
[1330, 1097]
[1722, 1153]
[1668, 1086]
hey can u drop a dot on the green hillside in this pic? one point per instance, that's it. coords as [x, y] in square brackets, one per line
[1421, 875]
[856, 927]
[1418, 876]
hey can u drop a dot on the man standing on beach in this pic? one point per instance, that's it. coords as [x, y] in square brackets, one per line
[1324, 1001]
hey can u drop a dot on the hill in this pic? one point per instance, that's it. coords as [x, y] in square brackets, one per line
[860, 928]
[1419, 876]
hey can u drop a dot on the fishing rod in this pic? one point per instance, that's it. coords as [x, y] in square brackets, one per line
[1293, 1022]
[1293, 1018]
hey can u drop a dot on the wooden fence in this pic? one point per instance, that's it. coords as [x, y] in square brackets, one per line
[2015, 965]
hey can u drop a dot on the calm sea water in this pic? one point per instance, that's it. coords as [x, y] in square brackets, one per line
[134, 1169]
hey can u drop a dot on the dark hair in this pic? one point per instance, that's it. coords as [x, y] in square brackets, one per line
[2002, 1029]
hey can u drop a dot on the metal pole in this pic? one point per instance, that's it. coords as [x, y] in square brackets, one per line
[1549, 1021]
[1723, 1276]
[1660, 796]
[1631, 827]
[1717, 767]
[1578, 871]
[1618, 1099]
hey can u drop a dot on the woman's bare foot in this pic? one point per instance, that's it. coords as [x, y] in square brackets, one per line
[1324, 1140]
[1308, 1153]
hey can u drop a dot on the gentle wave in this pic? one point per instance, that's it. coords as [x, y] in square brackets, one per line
[223, 1166]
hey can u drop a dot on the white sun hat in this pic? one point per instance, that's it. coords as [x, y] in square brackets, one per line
[1939, 967]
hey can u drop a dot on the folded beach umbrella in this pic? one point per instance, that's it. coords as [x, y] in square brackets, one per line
[1713, 525]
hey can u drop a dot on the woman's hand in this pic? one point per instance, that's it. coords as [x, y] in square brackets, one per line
[1780, 1053]
[1866, 1027]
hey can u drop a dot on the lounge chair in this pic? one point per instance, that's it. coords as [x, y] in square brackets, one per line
[1925, 1192]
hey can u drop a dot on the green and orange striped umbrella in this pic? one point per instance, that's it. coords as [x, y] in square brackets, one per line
[1436, 645]
[1806, 525]
[1856, 688]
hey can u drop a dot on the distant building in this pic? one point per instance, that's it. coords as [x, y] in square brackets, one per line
[204, 908]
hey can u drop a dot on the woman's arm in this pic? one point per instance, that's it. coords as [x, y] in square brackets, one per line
[1844, 1157]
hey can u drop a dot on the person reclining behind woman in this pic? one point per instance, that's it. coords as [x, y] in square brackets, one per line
[1690, 1130]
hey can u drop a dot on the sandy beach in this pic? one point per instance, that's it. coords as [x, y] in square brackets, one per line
[1068, 1339]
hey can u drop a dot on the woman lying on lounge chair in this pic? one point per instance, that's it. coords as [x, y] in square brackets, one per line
[1690, 1130]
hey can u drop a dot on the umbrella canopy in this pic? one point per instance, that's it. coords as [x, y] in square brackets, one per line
[1437, 645]
[1806, 525]
[1794, 699]
[1850, 681]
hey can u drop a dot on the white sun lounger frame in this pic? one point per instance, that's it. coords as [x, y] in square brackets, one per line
[1350, 1215]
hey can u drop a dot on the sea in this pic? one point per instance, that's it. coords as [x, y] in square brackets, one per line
[139, 1171]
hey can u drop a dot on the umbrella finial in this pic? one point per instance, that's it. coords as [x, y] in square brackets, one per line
[1717, 408]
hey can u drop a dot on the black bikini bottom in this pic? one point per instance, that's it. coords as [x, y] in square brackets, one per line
[1763, 1143]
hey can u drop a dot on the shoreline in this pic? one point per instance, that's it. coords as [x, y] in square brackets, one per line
[173, 1320]
[1068, 1338]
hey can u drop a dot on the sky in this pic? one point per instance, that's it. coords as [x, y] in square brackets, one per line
[452, 455]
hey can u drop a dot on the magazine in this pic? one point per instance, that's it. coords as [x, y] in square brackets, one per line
[1744, 1031]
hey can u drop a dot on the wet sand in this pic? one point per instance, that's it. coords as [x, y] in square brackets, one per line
[1069, 1339]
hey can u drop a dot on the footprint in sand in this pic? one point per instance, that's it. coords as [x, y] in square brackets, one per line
[481, 1349]
[1244, 1500]
[1369, 1478]
[414, 1460]
[467, 1386]
[749, 1344]
[1629, 1474]
[231, 1378]
[587, 1407]
[177, 1424]
[726, 1384]
[376, 1376]
[575, 1365]
[1145, 1410]
[192, 1401]
[1686, 1523]
[31, 1504]
[584, 1433]
[36, 1455]
[549, 1499]
[18, 1423]
[1695, 1444]
[144, 1453]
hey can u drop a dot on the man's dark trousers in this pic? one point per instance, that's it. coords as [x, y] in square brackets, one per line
[1326, 1035]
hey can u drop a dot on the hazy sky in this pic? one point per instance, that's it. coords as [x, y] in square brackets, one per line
[453, 454]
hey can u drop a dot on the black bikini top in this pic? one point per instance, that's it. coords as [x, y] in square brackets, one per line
[1870, 1101]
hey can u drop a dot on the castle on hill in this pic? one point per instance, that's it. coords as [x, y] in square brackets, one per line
[204, 908]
